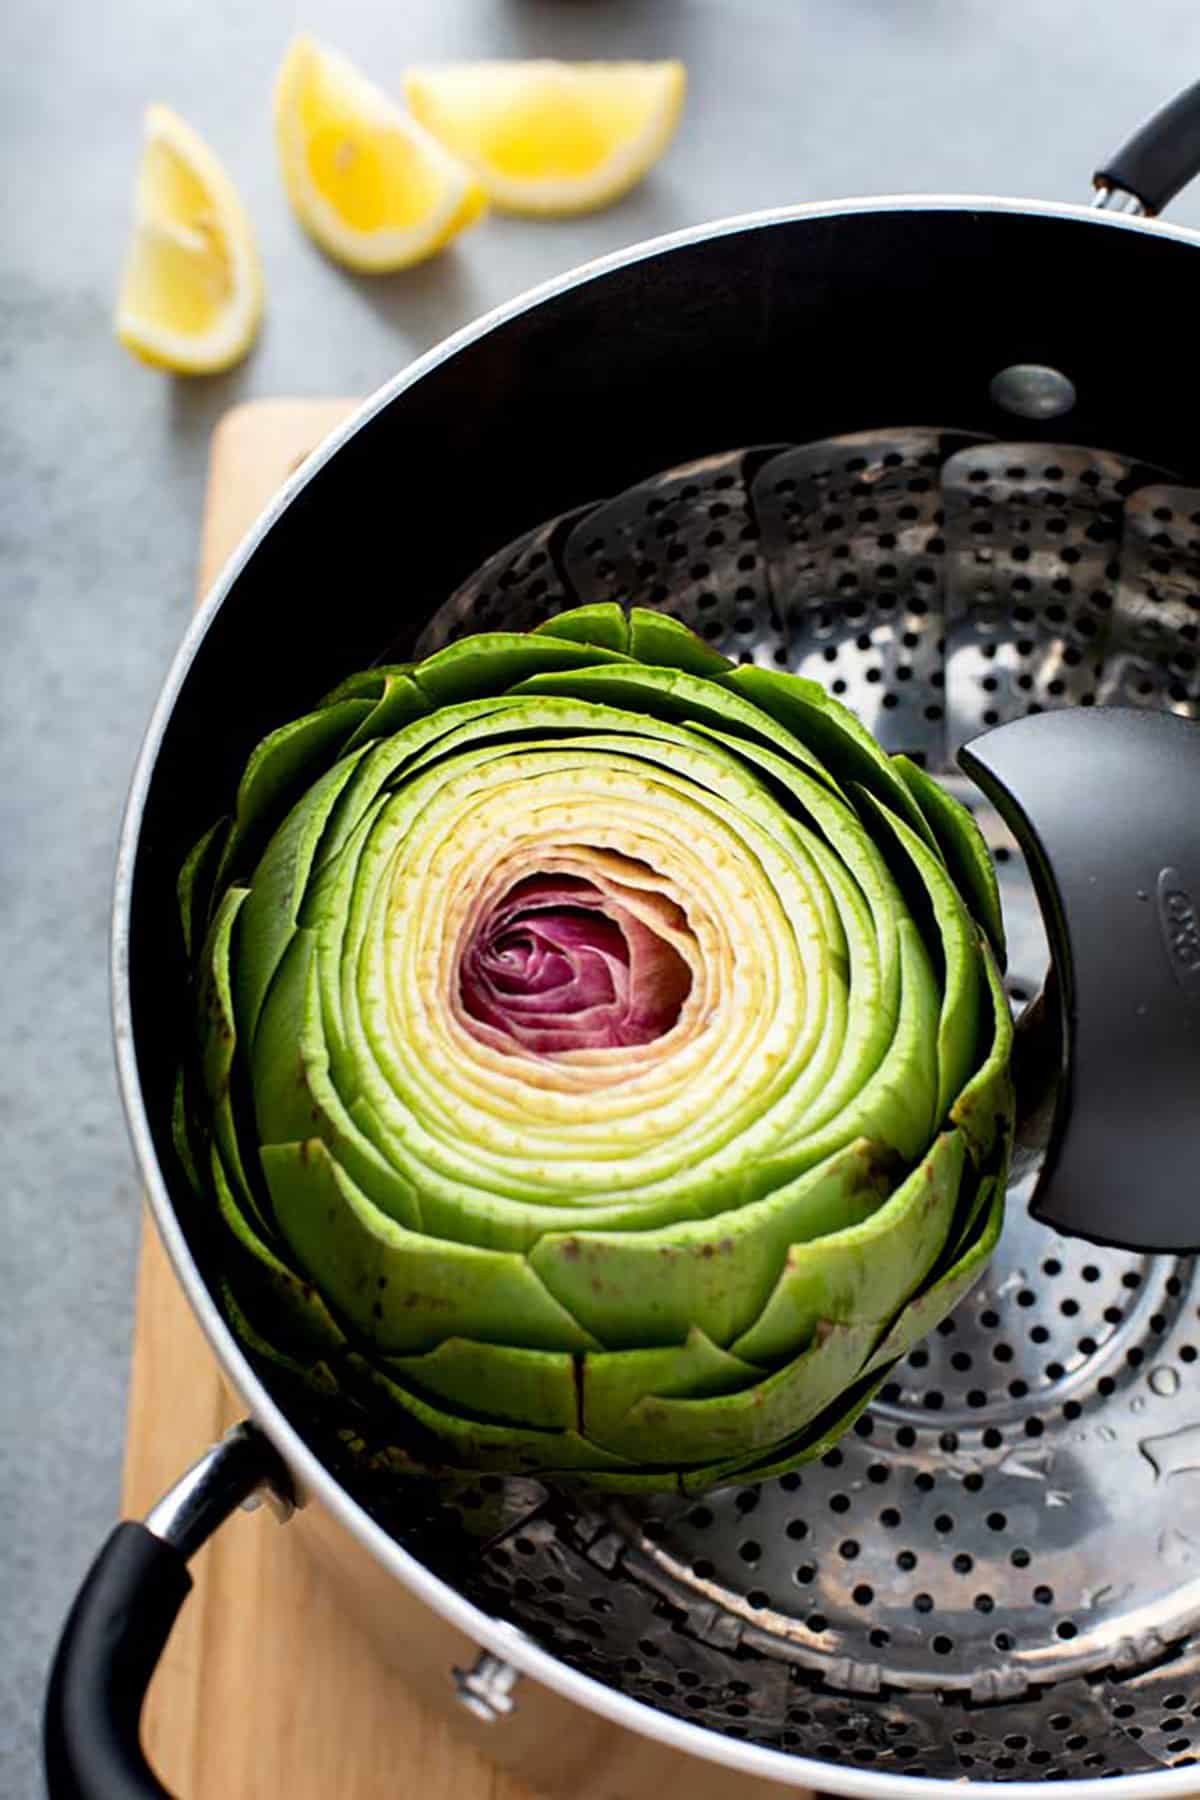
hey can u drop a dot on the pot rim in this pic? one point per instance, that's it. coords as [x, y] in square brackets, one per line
[313, 1479]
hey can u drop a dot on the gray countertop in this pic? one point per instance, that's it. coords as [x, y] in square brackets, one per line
[103, 466]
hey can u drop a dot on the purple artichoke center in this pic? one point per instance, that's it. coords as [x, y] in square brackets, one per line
[559, 964]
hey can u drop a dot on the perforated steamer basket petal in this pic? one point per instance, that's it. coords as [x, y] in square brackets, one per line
[996, 1575]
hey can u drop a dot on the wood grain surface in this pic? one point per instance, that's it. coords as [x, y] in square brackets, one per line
[279, 1680]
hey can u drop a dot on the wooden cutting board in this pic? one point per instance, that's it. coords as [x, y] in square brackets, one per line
[269, 1686]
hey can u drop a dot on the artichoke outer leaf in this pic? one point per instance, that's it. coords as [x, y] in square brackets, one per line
[283, 1100]
[516, 1387]
[650, 637]
[678, 1433]
[619, 1479]
[400, 702]
[614, 1382]
[638, 1289]
[295, 1307]
[460, 1443]
[603, 623]
[401, 1290]
[197, 880]
[493, 661]
[315, 1376]
[867, 1271]
[219, 1038]
[663, 642]
[366, 684]
[958, 944]
[939, 1299]
[971, 1214]
[818, 1437]
[679, 698]
[214, 997]
[962, 846]
[181, 1135]
[984, 1111]
[281, 768]
[277, 891]
[814, 718]
[294, 1095]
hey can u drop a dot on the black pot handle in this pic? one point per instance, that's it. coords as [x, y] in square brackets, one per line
[122, 1618]
[1157, 161]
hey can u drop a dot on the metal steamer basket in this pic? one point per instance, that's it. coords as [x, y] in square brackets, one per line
[995, 1577]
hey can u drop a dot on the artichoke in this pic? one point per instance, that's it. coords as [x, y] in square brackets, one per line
[603, 1066]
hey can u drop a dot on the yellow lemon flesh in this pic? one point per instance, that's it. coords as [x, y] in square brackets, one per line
[549, 137]
[373, 187]
[192, 291]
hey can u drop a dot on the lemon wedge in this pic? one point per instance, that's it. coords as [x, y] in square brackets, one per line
[551, 137]
[192, 291]
[374, 188]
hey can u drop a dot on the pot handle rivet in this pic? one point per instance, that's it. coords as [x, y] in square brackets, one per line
[486, 1689]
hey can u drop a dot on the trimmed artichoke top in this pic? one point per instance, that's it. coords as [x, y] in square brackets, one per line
[602, 1064]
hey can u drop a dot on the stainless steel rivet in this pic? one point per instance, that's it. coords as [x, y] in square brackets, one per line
[487, 1689]
[1033, 391]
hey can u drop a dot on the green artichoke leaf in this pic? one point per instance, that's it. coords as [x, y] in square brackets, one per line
[404, 1291]
[277, 891]
[603, 623]
[984, 1110]
[219, 1038]
[922, 1314]
[367, 684]
[652, 638]
[294, 1095]
[400, 702]
[315, 1376]
[197, 881]
[818, 1436]
[182, 1125]
[677, 696]
[491, 661]
[295, 1307]
[680, 1433]
[279, 770]
[647, 1288]
[613, 1383]
[845, 746]
[494, 1381]
[866, 1271]
[957, 940]
[974, 1201]
[620, 1478]
[461, 1443]
[663, 642]
[962, 846]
